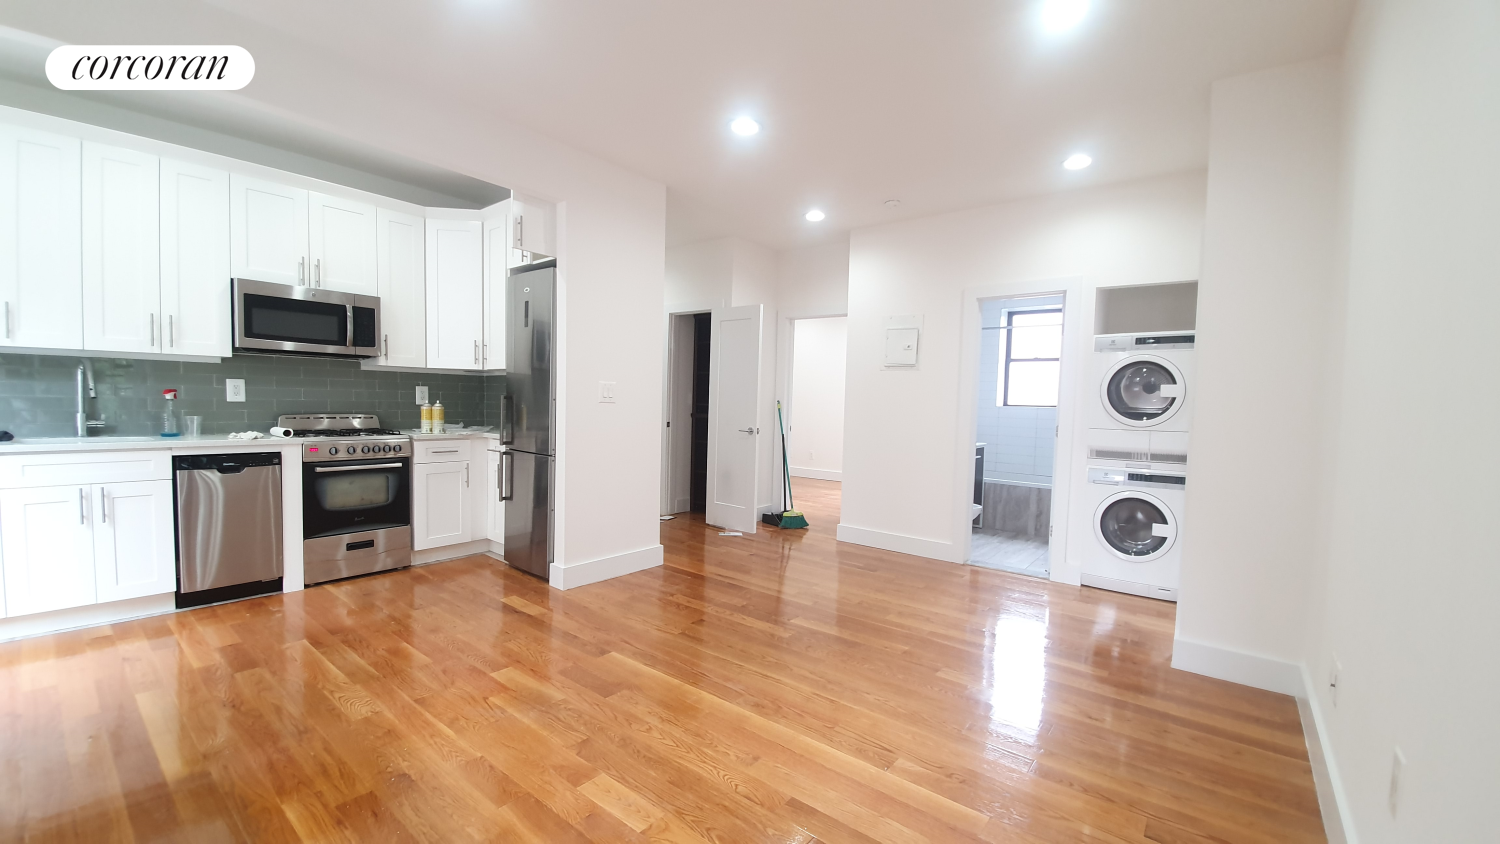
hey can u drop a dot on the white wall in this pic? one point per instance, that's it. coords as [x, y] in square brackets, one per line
[1264, 311]
[815, 419]
[902, 427]
[1409, 605]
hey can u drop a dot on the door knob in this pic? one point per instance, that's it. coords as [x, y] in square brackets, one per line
[747, 430]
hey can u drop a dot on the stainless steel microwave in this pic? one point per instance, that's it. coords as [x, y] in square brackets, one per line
[299, 320]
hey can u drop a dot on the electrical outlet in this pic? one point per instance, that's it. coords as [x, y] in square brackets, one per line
[1398, 765]
[421, 395]
[234, 389]
[1333, 680]
[607, 392]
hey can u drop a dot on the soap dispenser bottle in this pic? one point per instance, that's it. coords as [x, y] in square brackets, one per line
[169, 416]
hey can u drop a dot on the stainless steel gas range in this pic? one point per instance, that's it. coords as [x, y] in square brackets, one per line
[356, 495]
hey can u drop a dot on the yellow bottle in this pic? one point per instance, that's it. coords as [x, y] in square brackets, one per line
[427, 418]
[437, 418]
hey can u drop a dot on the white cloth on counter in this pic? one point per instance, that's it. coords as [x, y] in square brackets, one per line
[247, 435]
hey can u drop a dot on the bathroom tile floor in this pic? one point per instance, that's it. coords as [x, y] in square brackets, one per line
[1010, 552]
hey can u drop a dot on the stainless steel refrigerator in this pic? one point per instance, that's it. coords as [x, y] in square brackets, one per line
[527, 412]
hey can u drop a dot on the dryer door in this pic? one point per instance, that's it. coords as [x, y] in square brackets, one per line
[1143, 390]
[1135, 526]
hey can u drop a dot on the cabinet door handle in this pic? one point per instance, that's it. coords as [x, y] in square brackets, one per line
[318, 273]
[103, 506]
[301, 270]
[518, 231]
[476, 352]
[386, 340]
[443, 451]
[80, 506]
[466, 475]
[153, 331]
[507, 476]
[7, 320]
[171, 331]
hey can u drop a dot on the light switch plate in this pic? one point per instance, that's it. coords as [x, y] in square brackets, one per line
[607, 392]
[421, 395]
[234, 389]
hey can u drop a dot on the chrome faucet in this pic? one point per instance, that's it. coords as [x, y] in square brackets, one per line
[86, 383]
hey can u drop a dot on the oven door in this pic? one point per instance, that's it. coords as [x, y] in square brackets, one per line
[304, 320]
[355, 496]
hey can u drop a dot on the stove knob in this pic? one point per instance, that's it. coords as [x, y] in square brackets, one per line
[333, 449]
[366, 449]
[385, 448]
[398, 449]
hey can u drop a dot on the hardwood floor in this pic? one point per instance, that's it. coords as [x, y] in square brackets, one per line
[771, 688]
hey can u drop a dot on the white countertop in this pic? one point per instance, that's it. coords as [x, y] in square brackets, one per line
[212, 442]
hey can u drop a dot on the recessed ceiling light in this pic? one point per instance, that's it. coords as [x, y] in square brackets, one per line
[1063, 15]
[1077, 161]
[744, 126]
[815, 216]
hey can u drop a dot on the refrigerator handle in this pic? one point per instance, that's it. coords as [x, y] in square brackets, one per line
[507, 475]
[507, 429]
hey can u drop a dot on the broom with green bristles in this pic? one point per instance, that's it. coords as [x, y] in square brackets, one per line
[791, 519]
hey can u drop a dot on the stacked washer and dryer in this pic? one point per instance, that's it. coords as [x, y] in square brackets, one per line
[1133, 496]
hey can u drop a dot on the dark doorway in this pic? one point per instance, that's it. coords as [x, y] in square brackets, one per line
[698, 489]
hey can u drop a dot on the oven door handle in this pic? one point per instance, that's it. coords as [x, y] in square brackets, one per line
[357, 468]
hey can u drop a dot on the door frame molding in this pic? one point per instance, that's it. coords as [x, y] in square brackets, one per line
[1077, 337]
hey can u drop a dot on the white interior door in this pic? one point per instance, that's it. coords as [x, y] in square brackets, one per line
[121, 250]
[733, 402]
[195, 259]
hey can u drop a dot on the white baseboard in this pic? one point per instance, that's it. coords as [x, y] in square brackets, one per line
[900, 543]
[41, 623]
[1338, 824]
[449, 552]
[1288, 678]
[1261, 672]
[817, 474]
[593, 571]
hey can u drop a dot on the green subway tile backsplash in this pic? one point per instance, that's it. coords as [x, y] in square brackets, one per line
[38, 393]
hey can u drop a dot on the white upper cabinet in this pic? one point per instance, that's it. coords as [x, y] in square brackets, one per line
[134, 548]
[496, 247]
[195, 259]
[533, 228]
[41, 275]
[341, 251]
[401, 269]
[48, 548]
[121, 250]
[267, 231]
[455, 294]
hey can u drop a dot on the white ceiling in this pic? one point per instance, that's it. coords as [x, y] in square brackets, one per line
[942, 104]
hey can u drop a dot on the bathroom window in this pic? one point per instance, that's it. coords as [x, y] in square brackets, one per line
[1033, 358]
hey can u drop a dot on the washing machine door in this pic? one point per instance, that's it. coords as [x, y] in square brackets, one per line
[1142, 391]
[1135, 526]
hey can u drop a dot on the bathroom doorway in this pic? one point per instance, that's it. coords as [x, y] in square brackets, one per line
[1016, 425]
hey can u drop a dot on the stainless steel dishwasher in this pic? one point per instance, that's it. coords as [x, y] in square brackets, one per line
[228, 527]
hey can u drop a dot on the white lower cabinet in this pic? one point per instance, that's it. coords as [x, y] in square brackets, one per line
[134, 551]
[441, 509]
[48, 543]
